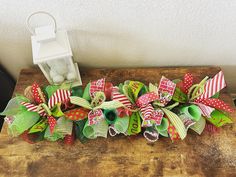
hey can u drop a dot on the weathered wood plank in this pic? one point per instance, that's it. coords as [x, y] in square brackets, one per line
[205, 155]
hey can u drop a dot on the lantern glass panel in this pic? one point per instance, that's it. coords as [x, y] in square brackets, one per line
[59, 70]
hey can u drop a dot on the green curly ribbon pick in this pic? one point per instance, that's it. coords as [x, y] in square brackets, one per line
[197, 89]
[177, 122]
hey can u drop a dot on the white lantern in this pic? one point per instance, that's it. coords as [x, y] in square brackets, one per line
[52, 53]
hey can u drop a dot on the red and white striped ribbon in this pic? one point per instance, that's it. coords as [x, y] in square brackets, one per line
[59, 96]
[33, 108]
[213, 86]
[147, 111]
[116, 95]
[206, 110]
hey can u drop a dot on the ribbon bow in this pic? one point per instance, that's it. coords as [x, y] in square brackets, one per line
[45, 109]
[98, 102]
[160, 96]
[202, 94]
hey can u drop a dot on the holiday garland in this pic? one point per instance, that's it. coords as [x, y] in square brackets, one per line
[166, 109]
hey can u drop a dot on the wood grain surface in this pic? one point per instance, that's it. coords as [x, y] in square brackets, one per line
[206, 155]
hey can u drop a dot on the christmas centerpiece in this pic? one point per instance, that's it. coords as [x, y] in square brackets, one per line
[168, 108]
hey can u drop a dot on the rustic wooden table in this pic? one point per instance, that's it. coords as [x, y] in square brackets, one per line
[206, 155]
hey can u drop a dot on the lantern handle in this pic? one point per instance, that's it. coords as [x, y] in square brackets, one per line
[40, 12]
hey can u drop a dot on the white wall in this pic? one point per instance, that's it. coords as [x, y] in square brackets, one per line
[129, 32]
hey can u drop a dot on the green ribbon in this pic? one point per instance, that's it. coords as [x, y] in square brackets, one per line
[53, 136]
[77, 91]
[193, 112]
[153, 88]
[122, 124]
[179, 96]
[39, 127]
[79, 126]
[110, 116]
[86, 94]
[219, 119]
[162, 128]
[105, 105]
[199, 126]
[96, 130]
[51, 89]
[64, 126]
[134, 124]
[56, 111]
[22, 122]
[136, 87]
[14, 106]
[177, 122]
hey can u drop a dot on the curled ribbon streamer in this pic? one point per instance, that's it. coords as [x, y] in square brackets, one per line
[177, 122]
[199, 126]
[151, 134]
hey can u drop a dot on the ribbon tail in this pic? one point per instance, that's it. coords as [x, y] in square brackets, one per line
[177, 122]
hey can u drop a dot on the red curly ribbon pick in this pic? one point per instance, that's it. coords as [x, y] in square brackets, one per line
[60, 96]
[188, 82]
[77, 114]
[96, 86]
[213, 86]
[38, 95]
[217, 103]
[173, 132]
[33, 108]
[116, 95]
[166, 90]
[52, 123]
[95, 116]
[147, 98]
